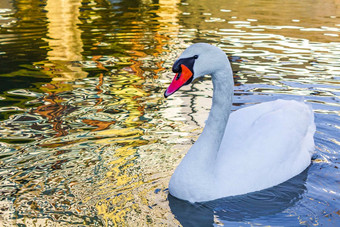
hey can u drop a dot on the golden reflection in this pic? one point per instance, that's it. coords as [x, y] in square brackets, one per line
[101, 125]
[64, 34]
[290, 19]
[65, 47]
[6, 7]
[128, 197]
[64, 40]
[54, 108]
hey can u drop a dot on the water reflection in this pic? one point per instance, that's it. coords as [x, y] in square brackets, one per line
[86, 137]
[64, 41]
[243, 208]
[318, 20]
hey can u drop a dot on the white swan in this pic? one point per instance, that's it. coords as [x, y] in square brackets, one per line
[261, 146]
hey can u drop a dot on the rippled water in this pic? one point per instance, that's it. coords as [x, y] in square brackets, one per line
[86, 137]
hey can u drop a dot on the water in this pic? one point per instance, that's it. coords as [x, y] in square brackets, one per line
[88, 139]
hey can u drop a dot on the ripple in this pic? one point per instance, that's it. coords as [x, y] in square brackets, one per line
[87, 138]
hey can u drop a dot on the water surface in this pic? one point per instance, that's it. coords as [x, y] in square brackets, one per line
[86, 137]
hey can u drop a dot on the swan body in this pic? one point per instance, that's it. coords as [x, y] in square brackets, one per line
[248, 150]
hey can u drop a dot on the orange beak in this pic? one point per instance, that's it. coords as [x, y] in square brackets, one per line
[182, 78]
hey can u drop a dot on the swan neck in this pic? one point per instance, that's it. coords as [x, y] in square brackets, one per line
[199, 163]
[206, 148]
[222, 99]
[221, 105]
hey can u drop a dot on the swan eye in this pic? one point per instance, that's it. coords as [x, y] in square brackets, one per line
[188, 62]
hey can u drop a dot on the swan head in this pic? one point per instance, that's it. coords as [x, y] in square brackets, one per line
[197, 60]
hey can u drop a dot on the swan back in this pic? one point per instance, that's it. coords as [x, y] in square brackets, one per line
[264, 145]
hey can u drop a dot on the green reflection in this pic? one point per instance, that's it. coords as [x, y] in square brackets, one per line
[95, 80]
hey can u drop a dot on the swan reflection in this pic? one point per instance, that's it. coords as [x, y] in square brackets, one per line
[242, 207]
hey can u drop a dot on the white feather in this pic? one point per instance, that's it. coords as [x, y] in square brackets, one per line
[258, 147]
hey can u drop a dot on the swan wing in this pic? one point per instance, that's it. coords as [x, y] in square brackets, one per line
[265, 145]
